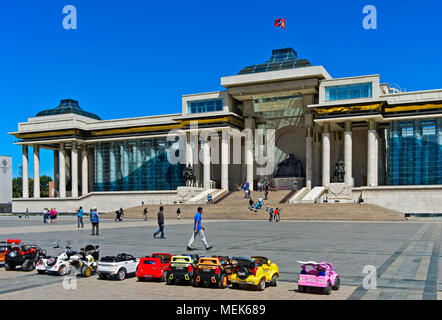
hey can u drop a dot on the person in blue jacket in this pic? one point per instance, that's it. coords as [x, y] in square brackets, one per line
[94, 220]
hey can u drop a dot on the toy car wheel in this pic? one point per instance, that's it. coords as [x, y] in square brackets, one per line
[261, 285]
[141, 279]
[170, 281]
[9, 267]
[302, 289]
[163, 277]
[222, 284]
[28, 265]
[274, 281]
[43, 253]
[337, 284]
[62, 271]
[328, 289]
[86, 271]
[206, 284]
[235, 285]
[121, 274]
[41, 271]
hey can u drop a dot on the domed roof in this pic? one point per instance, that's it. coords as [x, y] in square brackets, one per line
[68, 106]
[281, 59]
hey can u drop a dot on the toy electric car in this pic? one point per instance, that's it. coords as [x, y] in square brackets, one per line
[256, 271]
[117, 267]
[85, 262]
[318, 275]
[3, 247]
[156, 267]
[182, 268]
[215, 271]
[59, 264]
[24, 255]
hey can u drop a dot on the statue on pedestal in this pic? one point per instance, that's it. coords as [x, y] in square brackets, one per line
[339, 173]
[290, 167]
[189, 177]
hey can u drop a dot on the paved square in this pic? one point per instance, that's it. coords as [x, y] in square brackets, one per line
[406, 255]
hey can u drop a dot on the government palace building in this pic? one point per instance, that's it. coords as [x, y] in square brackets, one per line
[343, 140]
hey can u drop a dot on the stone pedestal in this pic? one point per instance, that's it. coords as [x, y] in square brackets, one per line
[339, 192]
[286, 183]
[186, 193]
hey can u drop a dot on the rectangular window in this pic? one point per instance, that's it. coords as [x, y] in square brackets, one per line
[351, 91]
[202, 106]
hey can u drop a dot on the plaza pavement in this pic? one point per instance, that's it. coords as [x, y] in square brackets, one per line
[406, 254]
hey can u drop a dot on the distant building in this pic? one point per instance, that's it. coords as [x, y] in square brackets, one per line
[388, 141]
[5, 184]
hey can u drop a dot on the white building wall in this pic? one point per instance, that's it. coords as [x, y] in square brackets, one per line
[5, 179]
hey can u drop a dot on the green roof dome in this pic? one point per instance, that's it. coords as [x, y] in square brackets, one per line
[281, 59]
[68, 106]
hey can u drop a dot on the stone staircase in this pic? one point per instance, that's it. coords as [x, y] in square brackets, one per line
[235, 206]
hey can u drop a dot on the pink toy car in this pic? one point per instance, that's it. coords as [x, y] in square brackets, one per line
[319, 275]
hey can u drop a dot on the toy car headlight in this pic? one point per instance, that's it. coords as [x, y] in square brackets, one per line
[12, 254]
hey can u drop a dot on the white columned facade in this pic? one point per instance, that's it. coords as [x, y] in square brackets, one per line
[36, 171]
[206, 164]
[25, 171]
[74, 166]
[376, 177]
[62, 177]
[326, 154]
[371, 154]
[56, 174]
[225, 157]
[348, 154]
[317, 159]
[84, 170]
[309, 158]
[189, 150]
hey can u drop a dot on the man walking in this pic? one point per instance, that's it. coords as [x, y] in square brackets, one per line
[198, 229]
[94, 220]
[80, 217]
[160, 217]
[145, 214]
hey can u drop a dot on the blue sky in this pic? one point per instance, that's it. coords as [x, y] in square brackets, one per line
[136, 57]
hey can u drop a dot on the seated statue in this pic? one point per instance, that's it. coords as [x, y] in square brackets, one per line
[290, 167]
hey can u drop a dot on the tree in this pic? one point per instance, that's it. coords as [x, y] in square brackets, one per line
[17, 187]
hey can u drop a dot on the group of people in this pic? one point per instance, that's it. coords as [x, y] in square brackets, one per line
[50, 215]
[255, 206]
[198, 229]
[209, 199]
[274, 215]
[93, 217]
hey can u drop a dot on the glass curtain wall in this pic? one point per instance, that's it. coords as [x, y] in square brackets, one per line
[415, 154]
[134, 165]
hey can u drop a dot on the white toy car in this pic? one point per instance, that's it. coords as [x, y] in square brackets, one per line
[59, 264]
[117, 267]
[85, 262]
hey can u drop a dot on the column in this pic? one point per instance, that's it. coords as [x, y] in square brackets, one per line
[84, 171]
[112, 167]
[99, 167]
[225, 156]
[309, 158]
[25, 172]
[348, 153]
[62, 174]
[74, 166]
[326, 154]
[249, 124]
[56, 174]
[206, 164]
[91, 167]
[36, 171]
[139, 156]
[189, 150]
[371, 154]
[317, 159]
[125, 165]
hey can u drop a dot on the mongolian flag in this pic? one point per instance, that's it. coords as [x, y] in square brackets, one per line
[280, 23]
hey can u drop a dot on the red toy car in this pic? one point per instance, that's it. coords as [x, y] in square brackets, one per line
[154, 267]
[24, 256]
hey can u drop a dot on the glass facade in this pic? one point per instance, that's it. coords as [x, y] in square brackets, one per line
[137, 165]
[352, 91]
[415, 152]
[202, 106]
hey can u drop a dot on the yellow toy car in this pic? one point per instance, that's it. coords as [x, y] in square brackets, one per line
[256, 271]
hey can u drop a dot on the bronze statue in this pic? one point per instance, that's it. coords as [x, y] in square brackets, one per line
[290, 167]
[339, 172]
[189, 177]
